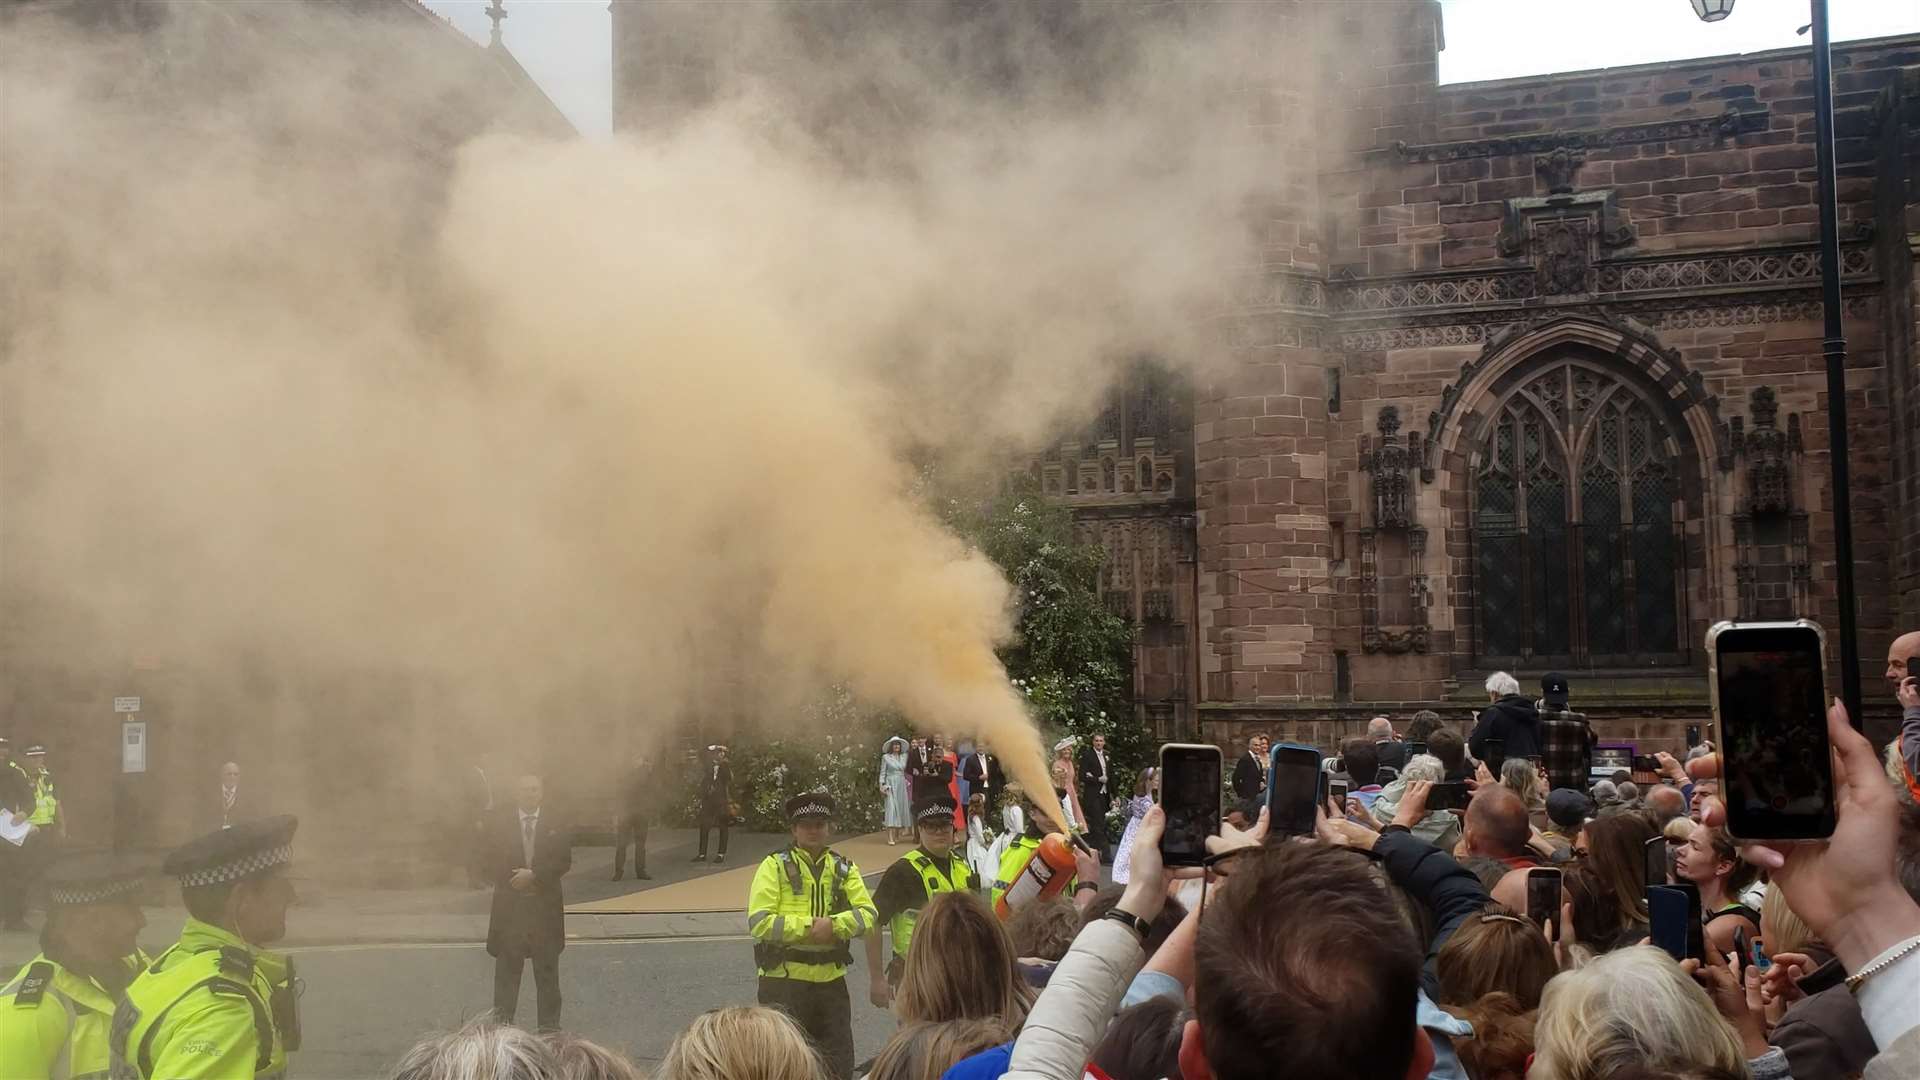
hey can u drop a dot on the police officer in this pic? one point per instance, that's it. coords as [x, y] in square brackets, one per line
[46, 805]
[910, 884]
[1020, 849]
[808, 902]
[55, 1014]
[218, 1006]
[16, 863]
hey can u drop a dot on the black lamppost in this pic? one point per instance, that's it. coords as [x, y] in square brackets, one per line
[1835, 345]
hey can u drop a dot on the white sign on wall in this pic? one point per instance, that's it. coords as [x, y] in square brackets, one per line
[126, 704]
[133, 746]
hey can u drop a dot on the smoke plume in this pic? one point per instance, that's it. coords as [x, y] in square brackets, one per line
[307, 368]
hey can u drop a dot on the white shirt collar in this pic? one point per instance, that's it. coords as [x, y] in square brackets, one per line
[533, 814]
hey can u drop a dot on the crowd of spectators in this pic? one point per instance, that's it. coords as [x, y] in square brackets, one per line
[1397, 941]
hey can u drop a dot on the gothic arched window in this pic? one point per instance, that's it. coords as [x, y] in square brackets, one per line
[1576, 550]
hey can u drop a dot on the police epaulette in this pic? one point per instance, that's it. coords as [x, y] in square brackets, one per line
[34, 986]
[236, 961]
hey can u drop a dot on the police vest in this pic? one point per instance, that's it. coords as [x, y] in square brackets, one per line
[45, 805]
[54, 1024]
[935, 883]
[142, 1033]
[801, 898]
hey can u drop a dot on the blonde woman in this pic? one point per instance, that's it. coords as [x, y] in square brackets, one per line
[925, 1049]
[893, 788]
[961, 966]
[755, 1043]
[1066, 785]
[1522, 777]
[1634, 1012]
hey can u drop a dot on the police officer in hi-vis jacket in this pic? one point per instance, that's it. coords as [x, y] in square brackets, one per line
[218, 1005]
[808, 902]
[909, 885]
[56, 1012]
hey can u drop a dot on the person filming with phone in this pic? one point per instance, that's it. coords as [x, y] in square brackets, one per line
[1903, 678]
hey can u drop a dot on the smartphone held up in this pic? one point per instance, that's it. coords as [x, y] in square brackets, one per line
[1190, 797]
[1293, 791]
[1768, 682]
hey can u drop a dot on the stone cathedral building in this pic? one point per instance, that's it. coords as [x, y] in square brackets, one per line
[1531, 380]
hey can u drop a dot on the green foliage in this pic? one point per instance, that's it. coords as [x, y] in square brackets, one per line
[1072, 657]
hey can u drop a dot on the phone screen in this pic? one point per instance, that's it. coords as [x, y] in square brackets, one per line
[1667, 919]
[1777, 779]
[1190, 795]
[1339, 790]
[1645, 763]
[1415, 749]
[1696, 926]
[1543, 895]
[1293, 793]
[1450, 795]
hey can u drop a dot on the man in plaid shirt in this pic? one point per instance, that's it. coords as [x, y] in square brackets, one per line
[1566, 740]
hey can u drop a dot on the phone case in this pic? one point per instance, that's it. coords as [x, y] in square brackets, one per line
[1713, 674]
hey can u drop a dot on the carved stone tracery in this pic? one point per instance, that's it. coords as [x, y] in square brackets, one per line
[1772, 570]
[1391, 467]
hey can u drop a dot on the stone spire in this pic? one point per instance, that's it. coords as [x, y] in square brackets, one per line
[496, 11]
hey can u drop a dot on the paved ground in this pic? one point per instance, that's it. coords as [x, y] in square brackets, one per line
[384, 967]
[365, 1005]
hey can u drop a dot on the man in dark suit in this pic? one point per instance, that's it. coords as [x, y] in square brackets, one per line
[1095, 794]
[716, 801]
[528, 853]
[1250, 772]
[984, 776]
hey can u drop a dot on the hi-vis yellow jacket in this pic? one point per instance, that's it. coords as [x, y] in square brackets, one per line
[54, 1023]
[790, 890]
[211, 1007]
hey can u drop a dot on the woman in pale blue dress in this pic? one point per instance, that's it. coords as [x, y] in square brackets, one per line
[893, 785]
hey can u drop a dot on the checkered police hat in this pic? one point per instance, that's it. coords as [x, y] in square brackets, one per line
[95, 879]
[810, 804]
[244, 851]
[935, 809]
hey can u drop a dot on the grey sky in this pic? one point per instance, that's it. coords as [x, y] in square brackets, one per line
[565, 44]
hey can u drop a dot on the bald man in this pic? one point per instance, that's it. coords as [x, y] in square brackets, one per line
[1903, 677]
[1667, 802]
[1498, 828]
[1392, 753]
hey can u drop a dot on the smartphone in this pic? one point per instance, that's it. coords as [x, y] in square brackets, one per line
[1757, 956]
[1657, 860]
[1667, 920]
[1543, 895]
[1452, 795]
[1768, 682]
[1496, 755]
[1696, 926]
[1292, 790]
[1415, 749]
[1646, 763]
[1743, 946]
[1190, 795]
[1339, 790]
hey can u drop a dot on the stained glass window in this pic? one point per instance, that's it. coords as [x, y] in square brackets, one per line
[1576, 550]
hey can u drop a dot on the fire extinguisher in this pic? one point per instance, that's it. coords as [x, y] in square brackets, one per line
[1047, 872]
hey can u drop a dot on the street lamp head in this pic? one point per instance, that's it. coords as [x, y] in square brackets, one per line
[1712, 10]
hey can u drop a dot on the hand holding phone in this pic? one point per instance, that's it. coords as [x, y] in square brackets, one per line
[1293, 792]
[1448, 795]
[1768, 682]
[1190, 795]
